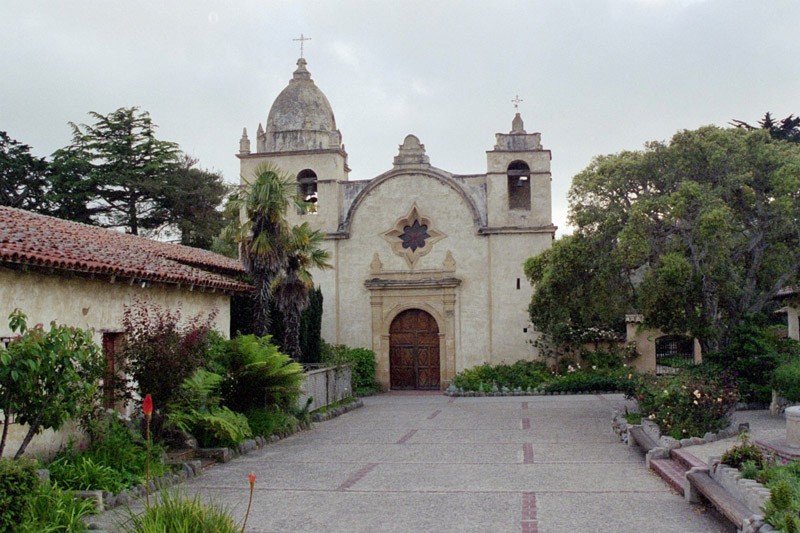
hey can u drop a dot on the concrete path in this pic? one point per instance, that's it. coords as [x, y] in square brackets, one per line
[547, 464]
[762, 426]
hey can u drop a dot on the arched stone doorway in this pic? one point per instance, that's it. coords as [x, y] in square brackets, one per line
[414, 351]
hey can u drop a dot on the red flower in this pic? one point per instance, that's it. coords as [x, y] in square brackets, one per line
[147, 406]
[252, 478]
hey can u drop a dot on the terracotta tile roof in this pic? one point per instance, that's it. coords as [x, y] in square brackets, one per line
[40, 241]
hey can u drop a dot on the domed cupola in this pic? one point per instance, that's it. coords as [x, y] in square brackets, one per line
[301, 117]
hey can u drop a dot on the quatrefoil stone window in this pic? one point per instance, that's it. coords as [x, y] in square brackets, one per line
[413, 236]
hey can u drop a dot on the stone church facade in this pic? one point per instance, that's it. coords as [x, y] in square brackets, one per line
[427, 264]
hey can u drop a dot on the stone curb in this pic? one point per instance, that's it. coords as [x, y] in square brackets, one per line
[458, 393]
[338, 411]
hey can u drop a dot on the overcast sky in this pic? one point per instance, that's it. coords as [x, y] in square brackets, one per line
[596, 76]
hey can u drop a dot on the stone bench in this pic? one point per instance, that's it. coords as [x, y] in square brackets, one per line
[699, 482]
[638, 435]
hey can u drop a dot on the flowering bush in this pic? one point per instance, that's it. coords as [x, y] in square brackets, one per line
[687, 404]
[161, 349]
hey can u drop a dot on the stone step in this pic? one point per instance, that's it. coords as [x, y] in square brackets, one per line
[671, 471]
[179, 456]
[207, 462]
[686, 458]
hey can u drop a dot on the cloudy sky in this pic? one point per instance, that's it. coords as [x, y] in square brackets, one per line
[596, 76]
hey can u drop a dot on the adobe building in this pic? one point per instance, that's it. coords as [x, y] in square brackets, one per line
[428, 265]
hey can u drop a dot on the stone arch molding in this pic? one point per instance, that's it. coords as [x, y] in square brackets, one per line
[392, 313]
[413, 236]
[346, 225]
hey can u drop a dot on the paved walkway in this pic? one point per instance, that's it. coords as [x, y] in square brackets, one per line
[415, 463]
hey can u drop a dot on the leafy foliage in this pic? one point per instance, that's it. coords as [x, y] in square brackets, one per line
[688, 404]
[23, 177]
[781, 509]
[81, 472]
[213, 427]
[786, 380]
[362, 364]
[271, 421]
[175, 512]
[159, 350]
[54, 509]
[578, 286]
[697, 234]
[311, 328]
[787, 129]
[197, 411]
[522, 374]
[744, 452]
[128, 169]
[18, 482]
[257, 375]
[291, 288]
[263, 235]
[46, 377]
[592, 381]
[114, 460]
[753, 354]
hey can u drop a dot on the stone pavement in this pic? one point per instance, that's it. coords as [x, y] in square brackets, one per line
[427, 462]
[762, 426]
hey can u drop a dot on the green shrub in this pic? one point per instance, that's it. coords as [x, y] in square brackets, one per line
[18, 481]
[754, 352]
[80, 472]
[786, 380]
[160, 350]
[113, 461]
[522, 375]
[586, 381]
[273, 421]
[743, 453]
[782, 506]
[603, 359]
[361, 361]
[56, 510]
[177, 513]
[688, 404]
[215, 427]
[257, 375]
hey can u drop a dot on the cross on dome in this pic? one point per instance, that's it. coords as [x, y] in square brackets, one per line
[516, 101]
[302, 40]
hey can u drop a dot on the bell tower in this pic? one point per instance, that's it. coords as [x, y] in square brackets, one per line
[518, 180]
[302, 140]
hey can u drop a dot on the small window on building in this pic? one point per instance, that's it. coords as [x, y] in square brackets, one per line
[307, 189]
[519, 185]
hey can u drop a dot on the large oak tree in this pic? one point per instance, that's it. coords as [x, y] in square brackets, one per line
[697, 234]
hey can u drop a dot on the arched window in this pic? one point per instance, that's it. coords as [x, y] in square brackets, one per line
[672, 352]
[519, 185]
[307, 187]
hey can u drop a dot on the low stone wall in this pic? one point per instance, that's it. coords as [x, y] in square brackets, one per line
[325, 386]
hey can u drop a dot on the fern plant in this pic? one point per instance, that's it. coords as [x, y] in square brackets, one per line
[197, 411]
[258, 375]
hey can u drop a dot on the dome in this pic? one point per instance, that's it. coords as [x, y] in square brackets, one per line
[301, 117]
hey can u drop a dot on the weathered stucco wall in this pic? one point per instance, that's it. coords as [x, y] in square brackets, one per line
[88, 304]
[95, 304]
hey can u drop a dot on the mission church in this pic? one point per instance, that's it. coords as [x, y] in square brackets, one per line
[428, 265]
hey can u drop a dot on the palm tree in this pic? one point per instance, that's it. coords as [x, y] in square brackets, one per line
[262, 234]
[303, 252]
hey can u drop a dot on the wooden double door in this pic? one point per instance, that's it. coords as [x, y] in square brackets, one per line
[414, 351]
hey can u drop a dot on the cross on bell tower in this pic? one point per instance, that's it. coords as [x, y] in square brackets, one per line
[302, 40]
[516, 101]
